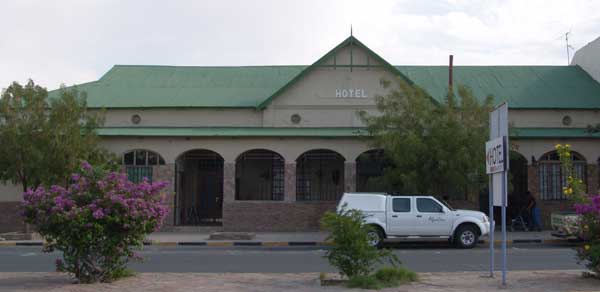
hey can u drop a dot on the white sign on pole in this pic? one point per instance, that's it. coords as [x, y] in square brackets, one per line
[497, 165]
[495, 155]
[498, 129]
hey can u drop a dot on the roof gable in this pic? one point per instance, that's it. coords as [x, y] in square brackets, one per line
[347, 42]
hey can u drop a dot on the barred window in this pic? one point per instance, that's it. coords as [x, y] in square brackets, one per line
[259, 175]
[552, 178]
[138, 164]
[319, 176]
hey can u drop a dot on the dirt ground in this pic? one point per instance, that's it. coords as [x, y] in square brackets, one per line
[175, 282]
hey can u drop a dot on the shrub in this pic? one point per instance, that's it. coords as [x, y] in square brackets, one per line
[350, 251]
[588, 207]
[97, 221]
[589, 228]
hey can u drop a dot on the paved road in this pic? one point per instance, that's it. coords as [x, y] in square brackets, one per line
[295, 260]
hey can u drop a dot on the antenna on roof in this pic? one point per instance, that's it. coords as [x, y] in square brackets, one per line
[569, 47]
[350, 29]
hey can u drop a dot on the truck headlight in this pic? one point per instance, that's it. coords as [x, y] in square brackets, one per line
[485, 219]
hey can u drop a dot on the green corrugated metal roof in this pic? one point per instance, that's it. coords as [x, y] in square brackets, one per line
[126, 86]
[521, 86]
[533, 133]
[230, 132]
[171, 86]
[516, 133]
[168, 86]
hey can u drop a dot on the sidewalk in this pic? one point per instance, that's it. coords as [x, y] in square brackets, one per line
[294, 239]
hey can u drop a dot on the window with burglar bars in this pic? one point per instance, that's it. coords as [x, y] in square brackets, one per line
[139, 164]
[259, 176]
[319, 176]
[551, 175]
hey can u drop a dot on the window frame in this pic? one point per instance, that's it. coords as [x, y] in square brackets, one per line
[551, 179]
[409, 205]
[441, 207]
[135, 171]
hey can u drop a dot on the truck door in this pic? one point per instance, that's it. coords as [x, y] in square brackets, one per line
[401, 218]
[431, 219]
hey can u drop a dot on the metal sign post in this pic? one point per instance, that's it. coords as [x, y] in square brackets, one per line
[497, 165]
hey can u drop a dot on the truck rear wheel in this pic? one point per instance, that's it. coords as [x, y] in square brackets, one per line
[466, 237]
[375, 237]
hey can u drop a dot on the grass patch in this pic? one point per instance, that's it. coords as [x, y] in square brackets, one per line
[383, 278]
[365, 282]
[123, 273]
[395, 276]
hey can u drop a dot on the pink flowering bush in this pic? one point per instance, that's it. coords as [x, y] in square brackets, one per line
[588, 207]
[97, 221]
[590, 232]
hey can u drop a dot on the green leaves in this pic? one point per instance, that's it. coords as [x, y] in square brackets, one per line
[43, 141]
[350, 251]
[434, 147]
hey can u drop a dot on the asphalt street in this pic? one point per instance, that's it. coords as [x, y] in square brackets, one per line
[297, 260]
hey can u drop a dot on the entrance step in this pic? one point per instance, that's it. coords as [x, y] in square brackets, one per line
[192, 229]
[231, 236]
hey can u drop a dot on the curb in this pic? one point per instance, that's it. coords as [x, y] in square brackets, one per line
[238, 243]
[283, 243]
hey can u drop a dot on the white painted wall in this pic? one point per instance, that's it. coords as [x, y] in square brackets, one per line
[231, 148]
[10, 192]
[553, 118]
[588, 58]
[191, 117]
[589, 148]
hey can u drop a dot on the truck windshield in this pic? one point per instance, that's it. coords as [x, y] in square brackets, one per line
[447, 205]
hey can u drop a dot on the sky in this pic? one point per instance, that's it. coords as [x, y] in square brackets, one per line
[75, 41]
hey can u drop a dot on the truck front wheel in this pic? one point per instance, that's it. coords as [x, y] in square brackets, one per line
[375, 237]
[466, 236]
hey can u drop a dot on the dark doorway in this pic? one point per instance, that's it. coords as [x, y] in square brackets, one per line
[517, 188]
[369, 168]
[199, 199]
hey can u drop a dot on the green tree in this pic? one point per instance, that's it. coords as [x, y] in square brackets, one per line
[43, 140]
[434, 147]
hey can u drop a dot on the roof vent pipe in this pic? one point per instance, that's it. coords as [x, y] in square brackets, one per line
[450, 71]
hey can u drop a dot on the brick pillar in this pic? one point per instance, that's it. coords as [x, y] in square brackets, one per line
[290, 182]
[228, 182]
[167, 173]
[592, 179]
[349, 177]
[533, 181]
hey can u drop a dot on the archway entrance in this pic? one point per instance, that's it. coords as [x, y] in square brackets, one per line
[199, 179]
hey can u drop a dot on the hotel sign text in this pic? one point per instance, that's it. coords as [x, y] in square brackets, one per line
[350, 93]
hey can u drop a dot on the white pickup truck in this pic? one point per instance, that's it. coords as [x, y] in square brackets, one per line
[416, 218]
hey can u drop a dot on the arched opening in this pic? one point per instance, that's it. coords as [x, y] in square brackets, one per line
[369, 169]
[551, 174]
[199, 181]
[518, 187]
[259, 175]
[319, 176]
[139, 164]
